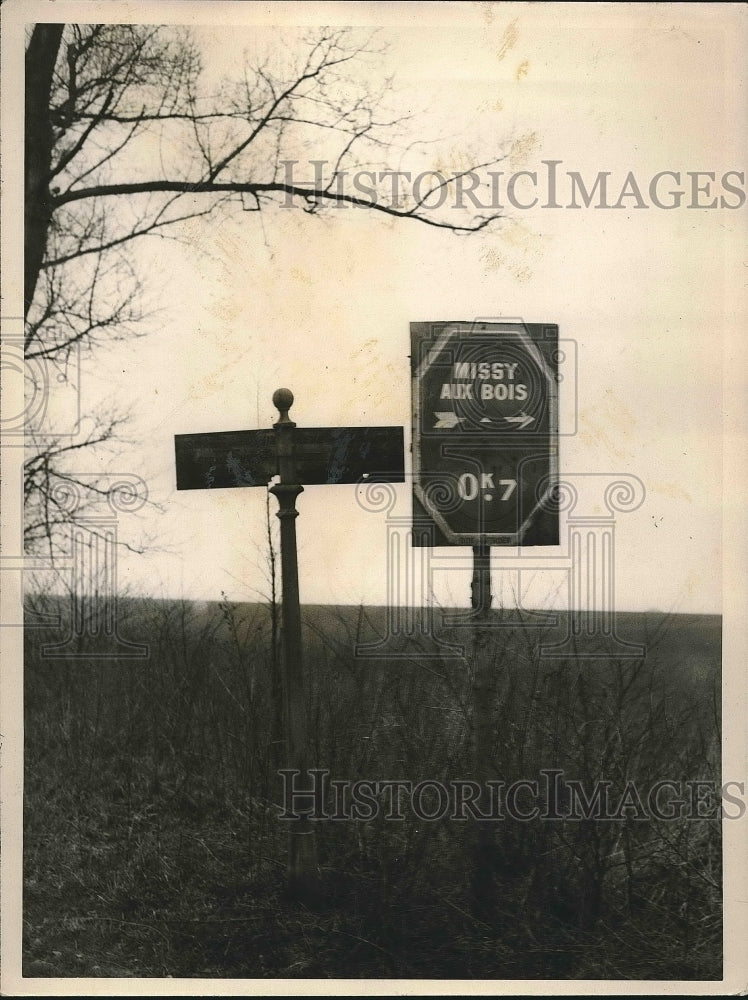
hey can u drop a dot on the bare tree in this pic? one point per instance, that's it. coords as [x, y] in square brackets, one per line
[123, 141]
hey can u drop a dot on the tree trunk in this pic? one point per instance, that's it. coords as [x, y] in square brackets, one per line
[41, 56]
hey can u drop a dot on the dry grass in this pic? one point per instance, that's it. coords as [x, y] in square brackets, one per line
[152, 846]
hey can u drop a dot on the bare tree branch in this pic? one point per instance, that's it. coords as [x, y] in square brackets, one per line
[417, 211]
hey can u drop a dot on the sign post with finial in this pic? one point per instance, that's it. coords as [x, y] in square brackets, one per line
[302, 855]
[292, 455]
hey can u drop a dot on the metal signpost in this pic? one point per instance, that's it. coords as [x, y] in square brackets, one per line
[485, 463]
[323, 455]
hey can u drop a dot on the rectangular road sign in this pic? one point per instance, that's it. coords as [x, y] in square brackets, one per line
[323, 455]
[485, 433]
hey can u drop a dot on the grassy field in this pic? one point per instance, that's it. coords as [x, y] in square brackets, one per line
[153, 845]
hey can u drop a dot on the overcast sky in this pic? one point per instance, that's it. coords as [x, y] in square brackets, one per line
[647, 297]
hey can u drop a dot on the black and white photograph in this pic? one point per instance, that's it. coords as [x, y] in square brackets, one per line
[373, 477]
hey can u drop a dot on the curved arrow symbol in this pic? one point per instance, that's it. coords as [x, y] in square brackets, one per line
[522, 419]
[447, 419]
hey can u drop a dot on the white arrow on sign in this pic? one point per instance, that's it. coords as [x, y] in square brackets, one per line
[447, 419]
[522, 419]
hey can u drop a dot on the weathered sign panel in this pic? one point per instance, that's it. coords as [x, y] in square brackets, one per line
[323, 455]
[485, 433]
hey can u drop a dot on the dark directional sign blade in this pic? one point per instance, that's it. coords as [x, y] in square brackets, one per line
[485, 416]
[324, 455]
[225, 459]
[331, 455]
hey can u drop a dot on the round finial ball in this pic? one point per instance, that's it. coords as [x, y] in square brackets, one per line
[283, 400]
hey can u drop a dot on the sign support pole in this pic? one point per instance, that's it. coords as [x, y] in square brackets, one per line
[482, 888]
[303, 878]
[480, 588]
